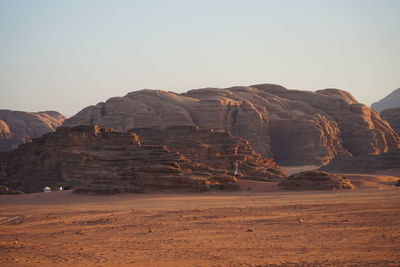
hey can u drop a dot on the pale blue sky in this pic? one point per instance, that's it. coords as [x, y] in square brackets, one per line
[65, 55]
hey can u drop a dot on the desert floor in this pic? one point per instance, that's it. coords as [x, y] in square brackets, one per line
[261, 227]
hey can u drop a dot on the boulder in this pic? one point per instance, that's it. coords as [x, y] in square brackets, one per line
[316, 180]
[294, 127]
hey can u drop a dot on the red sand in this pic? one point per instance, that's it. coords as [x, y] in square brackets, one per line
[249, 228]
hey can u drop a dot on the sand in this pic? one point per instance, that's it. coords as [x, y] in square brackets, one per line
[249, 228]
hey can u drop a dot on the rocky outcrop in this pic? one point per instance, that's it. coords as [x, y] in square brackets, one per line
[99, 160]
[392, 115]
[390, 101]
[365, 164]
[316, 180]
[293, 127]
[215, 149]
[18, 127]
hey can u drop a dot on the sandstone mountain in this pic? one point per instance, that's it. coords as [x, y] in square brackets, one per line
[390, 101]
[18, 127]
[101, 161]
[392, 115]
[293, 127]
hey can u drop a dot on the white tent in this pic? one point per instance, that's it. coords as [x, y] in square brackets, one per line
[46, 189]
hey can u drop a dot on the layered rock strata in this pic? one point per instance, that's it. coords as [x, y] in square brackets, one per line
[219, 150]
[99, 160]
[18, 127]
[293, 127]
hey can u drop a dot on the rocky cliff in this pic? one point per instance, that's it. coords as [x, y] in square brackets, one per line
[293, 127]
[390, 101]
[18, 127]
[102, 161]
[392, 115]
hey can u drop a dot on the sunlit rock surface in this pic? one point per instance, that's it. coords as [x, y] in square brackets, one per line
[293, 127]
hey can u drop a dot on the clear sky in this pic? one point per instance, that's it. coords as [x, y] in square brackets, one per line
[66, 55]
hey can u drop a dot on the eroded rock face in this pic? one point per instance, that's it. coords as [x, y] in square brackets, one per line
[365, 164]
[98, 160]
[390, 101]
[215, 149]
[294, 127]
[392, 115]
[18, 127]
[316, 180]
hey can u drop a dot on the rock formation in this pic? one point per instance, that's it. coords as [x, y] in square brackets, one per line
[293, 127]
[101, 161]
[316, 180]
[215, 149]
[18, 127]
[365, 164]
[392, 115]
[390, 101]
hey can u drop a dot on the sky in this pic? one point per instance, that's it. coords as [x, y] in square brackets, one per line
[66, 55]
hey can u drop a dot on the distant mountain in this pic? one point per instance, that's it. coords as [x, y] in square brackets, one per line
[294, 127]
[18, 127]
[390, 101]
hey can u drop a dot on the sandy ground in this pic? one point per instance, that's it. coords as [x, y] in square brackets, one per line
[259, 227]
